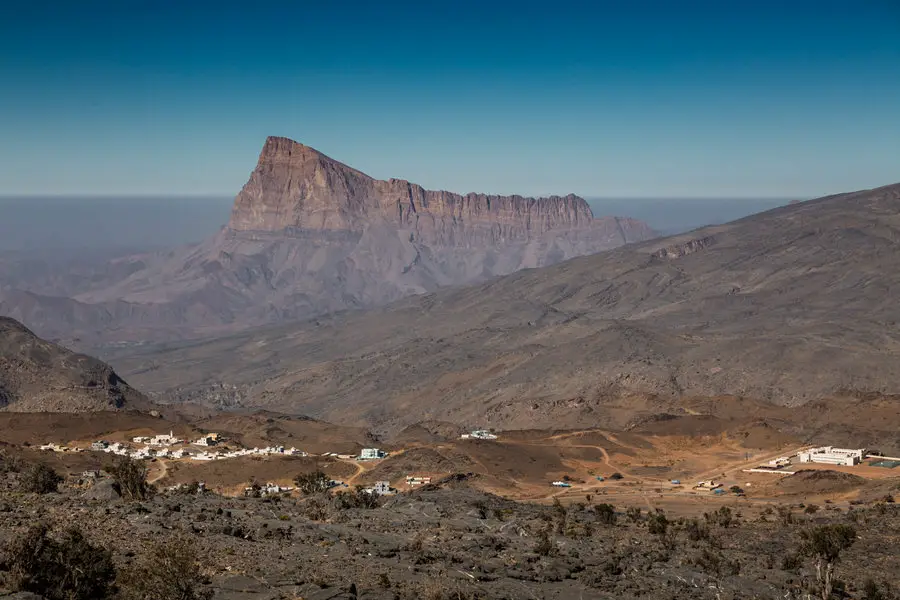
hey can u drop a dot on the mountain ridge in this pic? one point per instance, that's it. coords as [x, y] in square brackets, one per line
[297, 187]
[790, 306]
[39, 376]
[309, 236]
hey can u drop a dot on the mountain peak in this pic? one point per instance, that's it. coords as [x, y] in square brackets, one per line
[297, 187]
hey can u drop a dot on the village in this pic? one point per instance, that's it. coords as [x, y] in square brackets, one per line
[171, 447]
[732, 477]
[213, 446]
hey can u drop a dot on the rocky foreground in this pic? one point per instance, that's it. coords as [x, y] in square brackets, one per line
[449, 541]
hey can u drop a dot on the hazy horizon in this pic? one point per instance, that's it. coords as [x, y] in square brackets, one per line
[138, 223]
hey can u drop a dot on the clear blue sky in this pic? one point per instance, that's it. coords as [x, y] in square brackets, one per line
[619, 98]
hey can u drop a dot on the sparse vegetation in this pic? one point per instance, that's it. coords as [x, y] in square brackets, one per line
[657, 523]
[874, 591]
[169, 571]
[825, 545]
[606, 514]
[315, 482]
[131, 478]
[544, 546]
[633, 513]
[696, 531]
[723, 517]
[40, 479]
[65, 568]
[358, 498]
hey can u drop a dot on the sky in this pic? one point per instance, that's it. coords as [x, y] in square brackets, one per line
[761, 98]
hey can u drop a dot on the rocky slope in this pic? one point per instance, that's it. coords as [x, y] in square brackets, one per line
[38, 376]
[790, 306]
[309, 236]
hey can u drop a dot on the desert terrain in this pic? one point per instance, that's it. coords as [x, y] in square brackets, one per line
[484, 521]
[627, 468]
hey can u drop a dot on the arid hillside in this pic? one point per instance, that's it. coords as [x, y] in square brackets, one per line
[785, 307]
[38, 376]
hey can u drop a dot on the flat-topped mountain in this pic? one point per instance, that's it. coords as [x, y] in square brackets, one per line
[38, 376]
[789, 307]
[296, 187]
[310, 236]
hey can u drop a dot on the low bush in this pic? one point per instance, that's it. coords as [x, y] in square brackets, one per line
[131, 478]
[358, 498]
[606, 514]
[40, 479]
[169, 571]
[67, 568]
[312, 483]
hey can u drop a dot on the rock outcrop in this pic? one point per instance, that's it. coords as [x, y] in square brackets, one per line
[295, 187]
[309, 236]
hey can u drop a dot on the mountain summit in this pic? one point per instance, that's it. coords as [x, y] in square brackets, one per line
[296, 187]
[309, 235]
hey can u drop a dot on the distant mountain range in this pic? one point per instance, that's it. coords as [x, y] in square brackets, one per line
[307, 236]
[787, 307]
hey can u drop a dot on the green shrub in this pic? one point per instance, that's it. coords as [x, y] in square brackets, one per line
[131, 478]
[312, 483]
[68, 568]
[40, 479]
[606, 514]
[657, 523]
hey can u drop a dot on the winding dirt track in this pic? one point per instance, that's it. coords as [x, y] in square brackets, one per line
[162, 473]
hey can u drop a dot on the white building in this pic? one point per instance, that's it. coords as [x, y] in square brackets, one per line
[163, 440]
[274, 488]
[829, 455]
[382, 488]
[371, 454]
[479, 434]
[781, 461]
[412, 480]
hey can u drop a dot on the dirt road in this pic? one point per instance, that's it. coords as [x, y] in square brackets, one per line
[164, 470]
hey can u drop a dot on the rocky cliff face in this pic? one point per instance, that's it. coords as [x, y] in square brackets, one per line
[308, 236]
[295, 187]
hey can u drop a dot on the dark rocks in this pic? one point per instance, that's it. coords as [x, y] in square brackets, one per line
[105, 490]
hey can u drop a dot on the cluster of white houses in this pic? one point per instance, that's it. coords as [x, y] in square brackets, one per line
[478, 434]
[158, 446]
